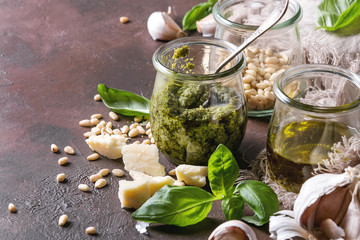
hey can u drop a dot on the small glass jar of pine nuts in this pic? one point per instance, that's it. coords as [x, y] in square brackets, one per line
[193, 109]
[269, 55]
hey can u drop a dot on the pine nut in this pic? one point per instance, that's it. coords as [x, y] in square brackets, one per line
[89, 134]
[62, 161]
[109, 130]
[133, 132]
[109, 125]
[94, 121]
[136, 142]
[124, 19]
[60, 177]
[104, 172]
[148, 125]
[141, 129]
[96, 115]
[117, 132]
[148, 131]
[150, 135]
[125, 129]
[63, 220]
[93, 157]
[102, 124]
[152, 140]
[97, 97]
[95, 177]
[138, 119]
[90, 230]
[125, 135]
[118, 172]
[178, 183]
[12, 207]
[54, 148]
[113, 116]
[69, 150]
[146, 141]
[172, 172]
[83, 187]
[100, 183]
[96, 130]
[85, 123]
[134, 125]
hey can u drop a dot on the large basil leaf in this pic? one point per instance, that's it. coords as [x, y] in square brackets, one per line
[233, 207]
[260, 198]
[124, 102]
[339, 14]
[181, 206]
[223, 171]
[196, 13]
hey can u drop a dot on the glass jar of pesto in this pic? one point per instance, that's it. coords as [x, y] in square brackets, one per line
[193, 110]
[269, 55]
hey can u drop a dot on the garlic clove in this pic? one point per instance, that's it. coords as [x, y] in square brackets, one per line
[351, 221]
[206, 26]
[162, 27]
[233, 230]
[331, 229]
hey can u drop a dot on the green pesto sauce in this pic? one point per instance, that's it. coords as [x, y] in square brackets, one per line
[181, 52]
[188, 125]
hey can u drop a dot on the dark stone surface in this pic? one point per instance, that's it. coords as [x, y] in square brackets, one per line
[53, 54]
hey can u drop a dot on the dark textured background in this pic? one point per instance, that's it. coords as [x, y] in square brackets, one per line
[53, 54]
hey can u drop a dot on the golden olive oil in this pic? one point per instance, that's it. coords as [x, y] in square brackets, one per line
[295, 149]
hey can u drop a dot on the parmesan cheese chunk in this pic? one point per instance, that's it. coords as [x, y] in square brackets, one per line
[154, 183]
[143, 158]
[107, 145]
[192, 175]
[133, 194]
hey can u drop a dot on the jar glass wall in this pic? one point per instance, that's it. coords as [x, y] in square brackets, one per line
[269, 55]
[317, 106]
[193, 110]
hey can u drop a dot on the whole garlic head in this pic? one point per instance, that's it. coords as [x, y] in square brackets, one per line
[162, 27]
[233, 230]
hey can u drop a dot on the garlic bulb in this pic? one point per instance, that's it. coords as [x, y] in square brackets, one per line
[162, 27]
[233, 230]
[206, 26]
[328, 207]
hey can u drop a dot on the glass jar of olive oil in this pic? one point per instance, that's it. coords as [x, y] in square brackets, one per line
[193, 109]
[317, 106]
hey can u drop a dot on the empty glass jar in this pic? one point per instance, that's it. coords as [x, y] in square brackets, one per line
[272, 53]
[317, 106]
[192, 110]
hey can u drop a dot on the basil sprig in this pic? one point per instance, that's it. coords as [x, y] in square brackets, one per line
[124, 102]
[196, 13]
[342, 15]
[183, 206]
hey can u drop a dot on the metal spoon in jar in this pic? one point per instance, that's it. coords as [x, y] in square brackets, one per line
[273, 18]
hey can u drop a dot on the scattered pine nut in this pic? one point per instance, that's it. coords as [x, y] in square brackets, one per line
[125, 135]
[60, 177]
[148, 132]
[69, 150]
[54, 148]
[62, 161]
[124, 19]
[93, 157]
[100, 183]
[89, 134]
[125, 129]
[133, 132]
[109, 130]
[96, 115]
[118, 172]
[96, 130]
[152, 140]
[150, 135]
[90, 230]
[63, 220]
[141, 129]
[94, 121]
[95, 177]
[134, 125]
[83, 187]
[148, 125]
[109, 125]
[172, 172]
[146, 141]
[97, 97]
[113, 116]
[104, 172]
[138, 119]
[117, 132]
[85, 123]
[12, 207]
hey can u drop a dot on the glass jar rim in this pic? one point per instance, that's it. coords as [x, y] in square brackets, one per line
[213, 77]
[315, 68]
[220, 19]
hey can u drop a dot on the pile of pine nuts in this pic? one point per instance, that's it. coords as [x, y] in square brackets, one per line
[262, 67]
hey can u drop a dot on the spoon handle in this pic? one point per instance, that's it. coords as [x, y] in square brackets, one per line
[270, 21]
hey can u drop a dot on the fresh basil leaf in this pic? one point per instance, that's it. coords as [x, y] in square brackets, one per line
[233, 207]
[334, 15]
[124, 102]
[223, 171]
[213, 2]
[180, 206]
[260, 198]
[196, 13]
